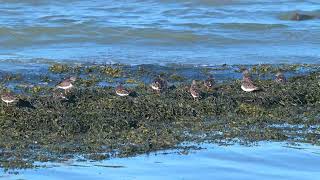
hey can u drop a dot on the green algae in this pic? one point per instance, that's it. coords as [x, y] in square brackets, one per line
[92, 121]
[176, 78]
[59, 68]
[111, 71]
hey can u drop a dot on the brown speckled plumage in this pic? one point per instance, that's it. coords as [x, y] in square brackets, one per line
[247, 83]
[209, 83]
[194, 90]
[280, 78]
[159, 84]
[122, 91]
[8, 98]
[66, 84]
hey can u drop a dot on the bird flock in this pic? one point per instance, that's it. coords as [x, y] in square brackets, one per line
[159, 84]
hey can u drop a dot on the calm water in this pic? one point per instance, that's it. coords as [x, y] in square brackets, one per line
[159, 31]
[167, 31]
[267, 161]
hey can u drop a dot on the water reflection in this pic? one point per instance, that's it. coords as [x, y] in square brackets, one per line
[266, 161]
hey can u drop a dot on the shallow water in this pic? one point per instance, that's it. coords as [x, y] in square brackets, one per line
[34, 33]
[166, 31]
[266, 161]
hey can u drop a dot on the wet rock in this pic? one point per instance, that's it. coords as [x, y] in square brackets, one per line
[24, 103]
[301, 17]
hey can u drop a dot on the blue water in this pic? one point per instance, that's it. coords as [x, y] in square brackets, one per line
[266, 161]
[34, 33]
[165, 31]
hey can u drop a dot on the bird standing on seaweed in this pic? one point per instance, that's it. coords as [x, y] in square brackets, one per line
[159, 84]
[209, 83]
[8, 98]
[194, 90]
[66, 84]
[122, 91]
[280, 78]
[247, 84]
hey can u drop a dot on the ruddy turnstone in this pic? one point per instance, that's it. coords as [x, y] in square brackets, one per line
[209, 83]
[159, 84]
[247, 84]
[280, 78]
[194, 90]
[66, 84]
[8, 98]
[122, 91]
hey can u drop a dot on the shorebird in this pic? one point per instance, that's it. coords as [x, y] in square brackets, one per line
[8, 98]
[122, 91]
[247, 84]
[159, 84]
[194, 90]
[66, 84]
[280, 78]
[209, 83]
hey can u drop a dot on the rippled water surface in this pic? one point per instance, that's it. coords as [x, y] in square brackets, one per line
[160, 31]
[167, 31]
[267, 161]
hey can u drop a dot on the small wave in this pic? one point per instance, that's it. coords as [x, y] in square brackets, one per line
[9, 12]
[193, 25]
[202, 2]
[57, 19]
[38, 35]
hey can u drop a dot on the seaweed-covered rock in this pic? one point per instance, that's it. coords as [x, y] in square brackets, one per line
[93, 121]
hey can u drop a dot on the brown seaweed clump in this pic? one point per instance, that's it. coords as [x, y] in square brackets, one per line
[91, 120]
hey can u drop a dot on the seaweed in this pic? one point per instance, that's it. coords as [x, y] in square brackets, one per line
[92, 121]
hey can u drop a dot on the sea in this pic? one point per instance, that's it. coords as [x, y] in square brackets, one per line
[35, 33]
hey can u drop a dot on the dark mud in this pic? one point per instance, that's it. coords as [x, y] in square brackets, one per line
[94, 123]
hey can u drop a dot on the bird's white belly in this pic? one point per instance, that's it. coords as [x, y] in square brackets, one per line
[8, 101]
[65, 87]
[122, 94]
[248, 89]
[155, 87]
[194, 95]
